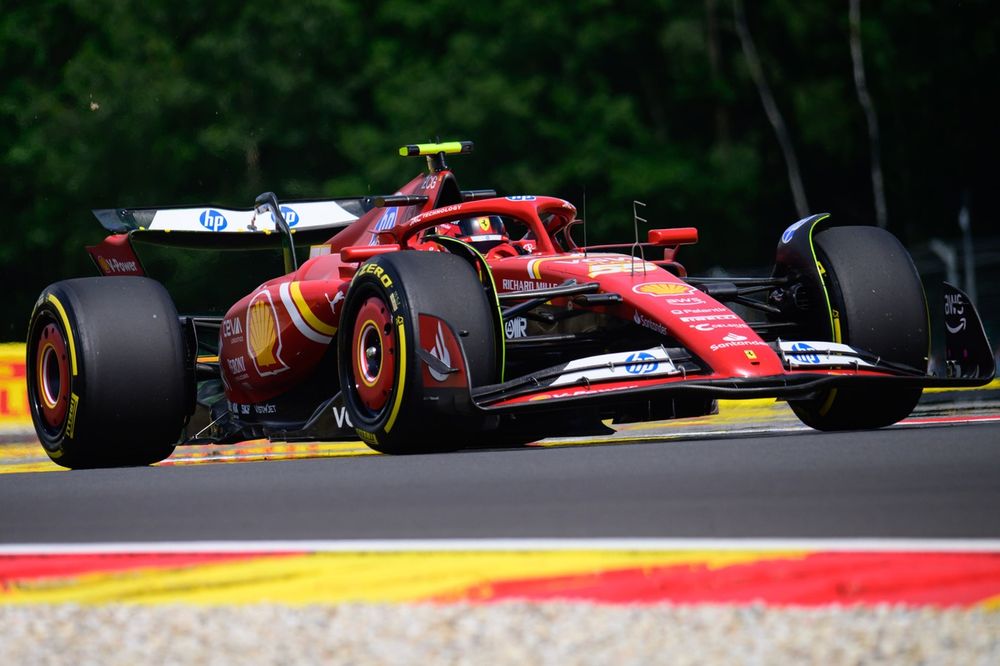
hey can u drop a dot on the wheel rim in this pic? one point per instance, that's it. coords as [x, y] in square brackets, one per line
[52, 376]
[373, 354]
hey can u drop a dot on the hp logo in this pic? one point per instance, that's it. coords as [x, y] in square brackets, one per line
[812, 359]
[291, 217]
[213, 220]
[641, 363]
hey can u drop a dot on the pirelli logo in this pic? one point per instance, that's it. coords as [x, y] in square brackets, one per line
[74, 402]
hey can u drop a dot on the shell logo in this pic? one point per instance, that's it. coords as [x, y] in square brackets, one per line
[103, 264]
[662, 289]
[263, 338]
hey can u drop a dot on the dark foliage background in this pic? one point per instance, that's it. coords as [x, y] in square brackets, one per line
[116, 103]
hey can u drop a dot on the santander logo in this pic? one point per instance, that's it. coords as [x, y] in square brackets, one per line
[734, 337]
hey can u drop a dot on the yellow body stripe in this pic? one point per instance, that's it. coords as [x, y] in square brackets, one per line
[401, 385]
[69, 330]
[303, 307]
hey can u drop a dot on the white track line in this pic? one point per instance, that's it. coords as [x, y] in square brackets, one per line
[509, 545]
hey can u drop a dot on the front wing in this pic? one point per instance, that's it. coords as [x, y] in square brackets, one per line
[811, 367]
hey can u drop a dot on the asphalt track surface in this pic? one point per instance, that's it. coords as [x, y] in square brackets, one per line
[932, 481]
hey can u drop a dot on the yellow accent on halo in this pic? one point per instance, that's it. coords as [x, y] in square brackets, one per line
[300, 303]
[448, 148]
[401, 384]
[69, 331]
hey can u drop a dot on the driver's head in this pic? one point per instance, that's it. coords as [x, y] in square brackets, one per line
[483, 232]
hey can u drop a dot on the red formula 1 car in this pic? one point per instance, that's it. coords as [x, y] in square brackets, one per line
[437, 318]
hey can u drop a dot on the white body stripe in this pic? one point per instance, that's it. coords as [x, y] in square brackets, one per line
[300, 323]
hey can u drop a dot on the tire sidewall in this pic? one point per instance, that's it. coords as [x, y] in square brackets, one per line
[129, 396]
[371, 428]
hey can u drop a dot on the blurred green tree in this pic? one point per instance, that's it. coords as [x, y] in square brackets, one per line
[115, 103]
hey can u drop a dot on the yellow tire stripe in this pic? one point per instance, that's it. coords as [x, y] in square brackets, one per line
[401, 386]
[69, 330]
[303, 307]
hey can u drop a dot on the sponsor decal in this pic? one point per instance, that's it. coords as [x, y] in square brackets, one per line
[525, 285]
[116, 267]
[613, 267]
[651, 324]
[291, 216]
[664, 289]
[231, 327]
[653, 361]
[716, 326]
[810, 359]
[378, 272]
[213, 220]
[641, 363]
[821, 353]
[367, 437]
[237, 365]
[342, 418]
[264, 335]
[388, 219]
[681, 311]
[441, 353]
[733, 337]
[266, 408]
[340, 296]
[954, 307]
[449, 209]
[719, 317]
[386, 222]
[596, 266]
[790, 231]
[521, 197]
[684, 300]
[74, 405]
[393, 300]
[515, 328]
[244, 409]
[430, 182]
[741, 343]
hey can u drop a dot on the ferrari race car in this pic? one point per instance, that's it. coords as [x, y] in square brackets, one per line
[437, 318]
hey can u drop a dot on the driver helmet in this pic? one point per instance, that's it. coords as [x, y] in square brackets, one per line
[483, 232]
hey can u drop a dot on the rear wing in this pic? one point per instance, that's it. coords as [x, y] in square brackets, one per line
[209, 256]
[212, 226]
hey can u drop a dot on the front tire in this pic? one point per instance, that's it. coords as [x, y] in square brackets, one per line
[378, 348]
[107, 381]
[878, 298]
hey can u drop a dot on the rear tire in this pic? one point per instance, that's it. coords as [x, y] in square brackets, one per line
[106, 372]
[876, 291]
[381, 373]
